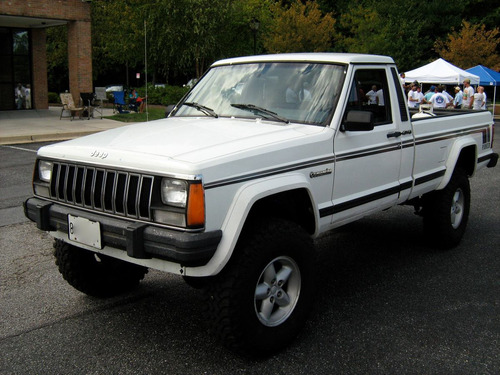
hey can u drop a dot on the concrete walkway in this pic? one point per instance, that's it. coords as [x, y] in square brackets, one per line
[43, 125]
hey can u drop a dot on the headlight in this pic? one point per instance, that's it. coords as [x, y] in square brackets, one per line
[174, 192]
[45, 170]
[184, 203]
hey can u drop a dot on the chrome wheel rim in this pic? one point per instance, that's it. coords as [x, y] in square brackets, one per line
[457, 208]
[277, 291]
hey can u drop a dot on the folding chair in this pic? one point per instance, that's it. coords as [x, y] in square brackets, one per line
[132, 105]
[100, 97]
[119, 102]
[69, 105]
[88, 102]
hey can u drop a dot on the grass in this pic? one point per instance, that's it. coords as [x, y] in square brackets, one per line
[154, 113]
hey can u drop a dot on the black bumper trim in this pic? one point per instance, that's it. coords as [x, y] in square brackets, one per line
[139, 240]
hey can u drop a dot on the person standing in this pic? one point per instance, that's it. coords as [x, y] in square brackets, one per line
[413, 98]
[457, 101]
[429, 94]
[439, 100]
[20, 94]
[380, 97]
[484, 100]
[420, 96]
[478, 100]
[468, 95]
[450, 98]
[402, 78]
[372, 95]
[27, 93]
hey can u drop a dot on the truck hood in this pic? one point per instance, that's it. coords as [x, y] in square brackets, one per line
[181, 141]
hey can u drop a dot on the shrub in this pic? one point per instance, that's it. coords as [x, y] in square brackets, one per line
[54, 97]
[163, 95]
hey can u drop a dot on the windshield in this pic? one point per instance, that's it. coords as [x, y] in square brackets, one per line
[279, 91]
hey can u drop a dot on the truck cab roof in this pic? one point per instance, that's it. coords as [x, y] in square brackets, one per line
[325, 57]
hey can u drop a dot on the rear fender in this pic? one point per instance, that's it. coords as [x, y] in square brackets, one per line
[463, 151]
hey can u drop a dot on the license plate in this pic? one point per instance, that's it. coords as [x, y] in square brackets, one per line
[84, 231]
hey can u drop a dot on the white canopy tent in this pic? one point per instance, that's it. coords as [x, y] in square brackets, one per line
[440, 71]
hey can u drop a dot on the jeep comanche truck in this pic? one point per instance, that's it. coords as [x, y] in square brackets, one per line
[262, 156]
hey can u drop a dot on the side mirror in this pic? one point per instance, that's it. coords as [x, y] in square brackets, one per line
[169, 109]
[358, 121]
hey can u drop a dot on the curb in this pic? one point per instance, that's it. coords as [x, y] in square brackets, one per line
[18, 139]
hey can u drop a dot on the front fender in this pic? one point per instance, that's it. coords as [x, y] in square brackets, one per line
[244, 199]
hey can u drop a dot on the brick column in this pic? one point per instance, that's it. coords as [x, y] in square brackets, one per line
[39, 91]
[79, 58]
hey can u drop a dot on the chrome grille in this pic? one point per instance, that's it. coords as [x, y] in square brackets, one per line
[106, 190]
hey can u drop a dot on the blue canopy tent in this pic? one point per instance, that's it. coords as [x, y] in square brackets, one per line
[487, 77]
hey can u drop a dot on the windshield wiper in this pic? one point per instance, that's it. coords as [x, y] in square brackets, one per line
[202, 108]
[262, 111]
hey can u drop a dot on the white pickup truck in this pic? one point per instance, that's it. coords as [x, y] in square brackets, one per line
[262, 156]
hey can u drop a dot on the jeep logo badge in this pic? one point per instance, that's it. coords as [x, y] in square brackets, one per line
[99, 154]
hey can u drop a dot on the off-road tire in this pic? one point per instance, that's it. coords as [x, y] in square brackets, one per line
[236, 301]
[95, 274]
[446, 212]
[196, 282]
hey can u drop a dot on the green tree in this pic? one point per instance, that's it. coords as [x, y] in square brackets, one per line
[57, 58]
[483, 12]
[185, 33]
[398, 28]
[299, 28]
[118, 35]
[238, 38]
[363, 31]
[404, 33]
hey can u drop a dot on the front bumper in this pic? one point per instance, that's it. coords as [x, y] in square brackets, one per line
[139, 240]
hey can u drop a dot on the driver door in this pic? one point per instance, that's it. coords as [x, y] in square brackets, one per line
[367, 162]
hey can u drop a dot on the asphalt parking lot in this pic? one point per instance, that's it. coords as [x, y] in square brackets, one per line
[388, 303]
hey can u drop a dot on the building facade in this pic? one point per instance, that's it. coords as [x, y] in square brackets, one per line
[23, 24]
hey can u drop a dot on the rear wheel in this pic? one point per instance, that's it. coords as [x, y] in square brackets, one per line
[96, 274]
[446, 212]
[261, 300]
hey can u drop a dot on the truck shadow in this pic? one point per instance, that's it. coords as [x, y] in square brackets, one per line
[359, 264]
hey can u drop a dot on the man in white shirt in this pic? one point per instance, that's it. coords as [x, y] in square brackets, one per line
[372, 95]
[450, 98]
[380, 97]
[413, 97]
[420, 95]
[402, 79]
[439, 100]
[479, 99]
[484, 100]
[468, 95]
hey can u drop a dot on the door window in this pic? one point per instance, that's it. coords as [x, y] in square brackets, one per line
[370, 92]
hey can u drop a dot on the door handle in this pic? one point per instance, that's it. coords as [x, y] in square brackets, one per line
[398, 134]
[394, 135]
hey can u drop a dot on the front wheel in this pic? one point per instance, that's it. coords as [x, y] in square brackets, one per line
[96, 274]
[261, 300]
[446, 212]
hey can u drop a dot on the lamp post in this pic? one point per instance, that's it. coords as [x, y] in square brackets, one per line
[254, 26]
